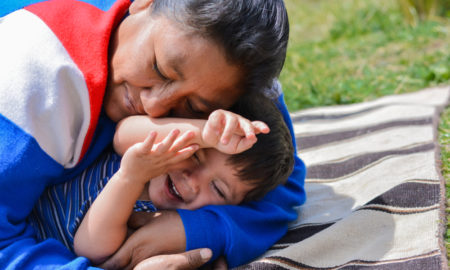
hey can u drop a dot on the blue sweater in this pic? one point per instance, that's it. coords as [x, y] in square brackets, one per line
[51, 128]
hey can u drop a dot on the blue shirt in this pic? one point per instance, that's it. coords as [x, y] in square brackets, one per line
[61, 208]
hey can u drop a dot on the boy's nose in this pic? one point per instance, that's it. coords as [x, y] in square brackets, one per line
[193, 186]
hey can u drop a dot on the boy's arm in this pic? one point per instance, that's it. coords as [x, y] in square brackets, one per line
[226, 131]
[104, 227]
[136, 128]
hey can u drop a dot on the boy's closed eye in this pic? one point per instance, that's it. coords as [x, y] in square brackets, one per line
[200, 158]
[218, 190]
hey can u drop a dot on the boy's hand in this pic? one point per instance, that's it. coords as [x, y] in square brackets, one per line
[231, 133]
[146, 159]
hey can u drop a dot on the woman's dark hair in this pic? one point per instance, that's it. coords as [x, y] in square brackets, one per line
[271, 159]
[253, 33]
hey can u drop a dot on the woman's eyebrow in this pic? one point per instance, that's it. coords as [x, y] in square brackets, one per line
[176, 62]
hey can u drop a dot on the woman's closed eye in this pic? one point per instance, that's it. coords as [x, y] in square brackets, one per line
[193, 110]
[158, 71]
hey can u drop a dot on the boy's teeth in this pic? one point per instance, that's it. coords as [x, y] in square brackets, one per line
[175, 189]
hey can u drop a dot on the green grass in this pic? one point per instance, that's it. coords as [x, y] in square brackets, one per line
[351, 51]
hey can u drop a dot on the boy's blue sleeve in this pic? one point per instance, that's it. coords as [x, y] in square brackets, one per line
[244, 232]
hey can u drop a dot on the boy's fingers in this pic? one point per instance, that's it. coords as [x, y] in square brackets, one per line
[149, 141]
[216, 121]
[248, 129]
[261, 127]
[184, 153]
[182, 141]
[230, 126]
[167, 142]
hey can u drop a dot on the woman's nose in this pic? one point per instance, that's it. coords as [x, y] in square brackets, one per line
[155, 104]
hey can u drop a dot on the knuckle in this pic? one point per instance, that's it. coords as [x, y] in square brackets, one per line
[193, 261]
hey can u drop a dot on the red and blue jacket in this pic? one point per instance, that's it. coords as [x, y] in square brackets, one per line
[53, 74]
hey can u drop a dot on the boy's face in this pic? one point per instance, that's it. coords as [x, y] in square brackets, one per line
[158, 68]
[204, 179]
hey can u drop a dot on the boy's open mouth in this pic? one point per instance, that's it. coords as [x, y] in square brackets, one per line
[173, 189]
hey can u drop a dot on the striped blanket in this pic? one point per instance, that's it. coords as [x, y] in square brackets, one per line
[375, 195]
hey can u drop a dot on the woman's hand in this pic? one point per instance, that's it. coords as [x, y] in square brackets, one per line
[162, 233]
[231, 133]
[157, 233]
[188, 260]
[146, 159]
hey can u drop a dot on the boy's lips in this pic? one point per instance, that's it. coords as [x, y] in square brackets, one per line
[172, 191]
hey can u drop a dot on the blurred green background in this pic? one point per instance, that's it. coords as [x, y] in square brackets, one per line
[349, 51]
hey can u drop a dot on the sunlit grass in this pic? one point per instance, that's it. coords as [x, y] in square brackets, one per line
[350, 51]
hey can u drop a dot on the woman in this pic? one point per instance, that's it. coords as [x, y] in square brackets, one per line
[62, 90]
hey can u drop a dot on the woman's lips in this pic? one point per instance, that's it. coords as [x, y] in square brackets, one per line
[131, 103]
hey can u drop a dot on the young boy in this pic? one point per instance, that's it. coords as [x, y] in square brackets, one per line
[164, 175]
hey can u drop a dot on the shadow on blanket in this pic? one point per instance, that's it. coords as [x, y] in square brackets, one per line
[375, 195]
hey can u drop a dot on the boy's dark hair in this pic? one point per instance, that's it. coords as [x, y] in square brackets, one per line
[253, 33]
[271, 159]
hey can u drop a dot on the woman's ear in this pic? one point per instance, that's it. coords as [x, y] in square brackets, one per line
[139, 5]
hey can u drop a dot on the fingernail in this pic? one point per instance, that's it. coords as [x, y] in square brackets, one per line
[205, 253]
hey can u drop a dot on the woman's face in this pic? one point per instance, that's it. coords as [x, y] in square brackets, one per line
[158, 68]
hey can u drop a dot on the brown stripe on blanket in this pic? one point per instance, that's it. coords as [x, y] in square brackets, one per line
[405, 195]
[305, 142]
[358, 163]
[300, 233]
[304, 118]
[415, 263]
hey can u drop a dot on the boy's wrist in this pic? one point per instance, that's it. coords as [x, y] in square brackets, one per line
[203, 142]
[131, 178]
